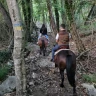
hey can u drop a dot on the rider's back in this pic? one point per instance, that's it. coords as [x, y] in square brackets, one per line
[43, 31]
[63, 38]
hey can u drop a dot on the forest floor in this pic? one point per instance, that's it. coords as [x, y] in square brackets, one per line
[43, 78]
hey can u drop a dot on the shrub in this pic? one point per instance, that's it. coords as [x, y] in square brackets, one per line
[90, 78]
[4, 56]
[4, 70]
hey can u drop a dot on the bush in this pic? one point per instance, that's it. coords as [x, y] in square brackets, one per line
[90, 78]
[4, 56]
[4, 69]
[4, 72]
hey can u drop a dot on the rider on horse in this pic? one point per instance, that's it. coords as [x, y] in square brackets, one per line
[43, 32]
[62, 40]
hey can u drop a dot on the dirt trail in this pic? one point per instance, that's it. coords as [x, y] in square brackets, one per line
[43, 79]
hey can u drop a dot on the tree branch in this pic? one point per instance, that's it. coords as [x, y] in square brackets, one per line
[85, 52]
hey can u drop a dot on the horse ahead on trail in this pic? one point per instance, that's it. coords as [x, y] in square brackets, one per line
[43, 42]
[66, 59]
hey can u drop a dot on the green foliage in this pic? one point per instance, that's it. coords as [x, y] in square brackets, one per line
[4, 70]
[69, 9]
[89, 78]
[4, 56]
[82, 4]
[39, 6]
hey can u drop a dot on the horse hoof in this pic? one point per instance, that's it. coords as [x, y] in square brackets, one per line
[61, 85]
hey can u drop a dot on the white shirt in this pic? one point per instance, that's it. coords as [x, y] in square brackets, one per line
[57, 36]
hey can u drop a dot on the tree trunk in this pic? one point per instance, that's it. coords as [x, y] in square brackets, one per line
[31, 24]
[43, 15]
[28, 3]
[56, 14]
[63, 14]
[70, 13]
[76, 38]
[6, 16]
[92, 13]
[62, 11]
[26, 8]
[51, 18]
[18, 47]
[9, 24]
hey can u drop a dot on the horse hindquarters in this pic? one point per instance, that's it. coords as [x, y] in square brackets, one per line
[71, 72]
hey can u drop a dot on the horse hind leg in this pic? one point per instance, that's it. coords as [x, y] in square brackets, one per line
[44, 51]
[62, 78]
[74, 91]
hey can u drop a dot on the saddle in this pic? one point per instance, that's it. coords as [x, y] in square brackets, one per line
[62, 47]
[40, 41]
[43, 37]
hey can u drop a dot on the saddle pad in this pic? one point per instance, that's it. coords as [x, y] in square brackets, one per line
[59, 51]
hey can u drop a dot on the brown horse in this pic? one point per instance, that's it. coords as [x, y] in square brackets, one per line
[66, 59]
[43, 42]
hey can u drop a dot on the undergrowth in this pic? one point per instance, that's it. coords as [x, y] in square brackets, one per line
[91, 78]
[4, 68]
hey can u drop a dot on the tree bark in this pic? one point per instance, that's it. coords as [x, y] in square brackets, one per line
[70, 13]
[18, 47]
[51, 18]
[80, 46]
[9, 24]
[43, 15]
[92, 13]
[31, 24]
[56, 14]
[62, 11]
[26, 7]
[24, 10]
[6, 16]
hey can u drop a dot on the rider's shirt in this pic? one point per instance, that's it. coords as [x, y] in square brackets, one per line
[43, 31]
[63, 37]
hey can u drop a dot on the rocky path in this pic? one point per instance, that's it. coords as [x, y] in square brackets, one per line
[43, 79]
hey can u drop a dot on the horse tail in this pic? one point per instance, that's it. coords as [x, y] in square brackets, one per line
[70, 71]
[43, 44]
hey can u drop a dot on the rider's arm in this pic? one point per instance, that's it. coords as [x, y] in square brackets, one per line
[57, 37]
